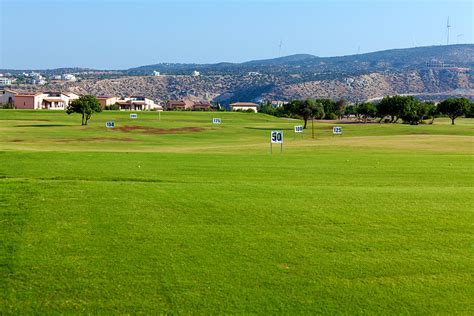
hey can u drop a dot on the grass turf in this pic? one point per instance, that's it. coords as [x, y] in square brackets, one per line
[377, 221]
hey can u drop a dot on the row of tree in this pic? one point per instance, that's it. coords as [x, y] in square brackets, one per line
[390, 109]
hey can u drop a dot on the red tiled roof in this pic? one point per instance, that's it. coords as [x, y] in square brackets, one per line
[28, 94]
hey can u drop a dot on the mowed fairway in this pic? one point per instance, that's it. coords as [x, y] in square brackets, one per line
[203, 220]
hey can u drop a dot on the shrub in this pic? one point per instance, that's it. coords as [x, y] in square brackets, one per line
[10, 106]
[112, 107]
[470, 111]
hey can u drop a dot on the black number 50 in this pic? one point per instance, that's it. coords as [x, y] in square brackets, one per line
[276, 137]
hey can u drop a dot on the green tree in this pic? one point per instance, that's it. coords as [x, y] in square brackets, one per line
[470, 111]
[329, 107]
[431, 111]
[413, 111]
[351, 110]
[305, 109]
[366, 110]
[267, 108]
[340, 108]
[85, 105]
[454, 107]
[393, 107]
[317, 109]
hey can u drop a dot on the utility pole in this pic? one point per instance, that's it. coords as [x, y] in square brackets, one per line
[312, 127]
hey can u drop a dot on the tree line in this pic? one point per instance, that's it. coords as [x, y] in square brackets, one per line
[390, 109]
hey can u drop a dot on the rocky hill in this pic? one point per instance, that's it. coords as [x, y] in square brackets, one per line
[424, 71]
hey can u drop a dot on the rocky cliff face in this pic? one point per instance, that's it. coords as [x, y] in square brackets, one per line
[226, 88]
[374, 85]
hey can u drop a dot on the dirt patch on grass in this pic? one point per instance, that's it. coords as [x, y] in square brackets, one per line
[17, 140]
[157, 130]
[96, 139]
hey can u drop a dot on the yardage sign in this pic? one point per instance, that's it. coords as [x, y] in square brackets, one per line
[276, 137]
[336, 130]
[298, 129]
[110, 124]
[133, 115]
[216, 121]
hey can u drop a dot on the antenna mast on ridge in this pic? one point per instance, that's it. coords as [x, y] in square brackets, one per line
[279, 48]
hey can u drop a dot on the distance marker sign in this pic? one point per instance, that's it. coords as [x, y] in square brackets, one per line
[298, 129]
[337, 130]
[216, 121]
[110, 124]
[133, 115]
[276, 137]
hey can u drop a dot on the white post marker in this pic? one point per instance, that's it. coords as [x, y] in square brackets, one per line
[216, 120]
[337, 130]
[276, 137]
[110, 124]
[133, 115]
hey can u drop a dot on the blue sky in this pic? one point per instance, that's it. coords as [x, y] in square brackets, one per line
[117, 34]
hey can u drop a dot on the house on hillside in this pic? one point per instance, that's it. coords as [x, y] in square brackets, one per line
[188, 104]
[202, 106]
[42, 101]
[68, 77]
[244, 106]
[72, 96]
[55, 101]
[7, 96]
[278, 104]
[138, 103]
[31, 101]
[5, 81]
[106, 101]
[175, 105]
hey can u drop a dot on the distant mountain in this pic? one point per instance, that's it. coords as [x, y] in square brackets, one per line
[54, 71]
[394, 59]
[427, 72]
[297, 58]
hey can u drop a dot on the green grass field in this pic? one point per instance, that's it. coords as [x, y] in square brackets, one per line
[203, 220]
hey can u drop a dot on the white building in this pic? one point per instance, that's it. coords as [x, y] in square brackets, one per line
[42, 101]
[68, 77]
[196, 73]
[138, 103]
[156, 73]
[244, 106]
[5, 81]
[35, 78]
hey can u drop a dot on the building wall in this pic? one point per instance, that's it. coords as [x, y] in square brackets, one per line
[33, 102]
[56, 105]
[107, 102]
[111, 101]
[244, 108]
[5, 81]
[25, 102]
[6, 97]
